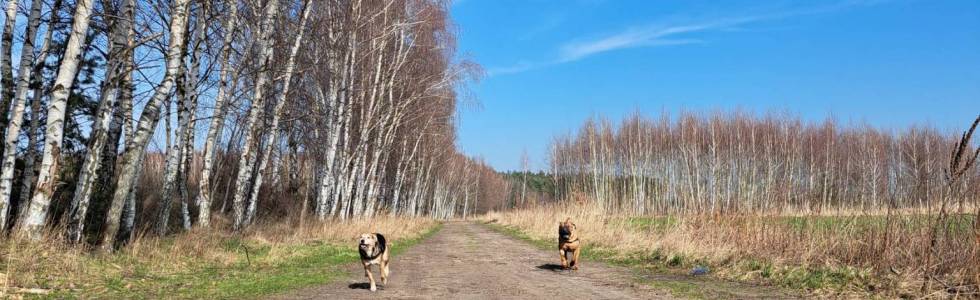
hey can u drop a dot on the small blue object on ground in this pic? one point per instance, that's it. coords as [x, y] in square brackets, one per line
[699, 270]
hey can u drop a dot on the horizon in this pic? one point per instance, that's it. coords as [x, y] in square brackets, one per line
[887, 64]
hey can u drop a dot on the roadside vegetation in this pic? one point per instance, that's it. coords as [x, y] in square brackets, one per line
[822, 208]
[267, 259]
[819, 255]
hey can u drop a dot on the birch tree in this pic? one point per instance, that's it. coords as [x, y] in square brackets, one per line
[248, 155]
[218, 115]
[47, 179]
[132, 156]
[17, 113]
[6, 66]
[176, 154]
[364, 92]
[37, 88]
[119, 33]
[273, 131]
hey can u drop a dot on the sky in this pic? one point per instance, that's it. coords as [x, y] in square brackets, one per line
[551, 64]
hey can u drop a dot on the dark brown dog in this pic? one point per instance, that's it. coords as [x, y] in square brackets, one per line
[373, 249]
[568, 244]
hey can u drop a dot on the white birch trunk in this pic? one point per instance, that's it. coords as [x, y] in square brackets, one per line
[47, 179]
[132, 158]
[193, 81]
[120, 127]
[125, 232]
[247, 161]
[6, 66]
[30, 158]
[17, 114]
[217, 121]
[174, 152]
[277, 114]
[85, 186]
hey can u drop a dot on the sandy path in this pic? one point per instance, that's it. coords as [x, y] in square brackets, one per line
[469, 261]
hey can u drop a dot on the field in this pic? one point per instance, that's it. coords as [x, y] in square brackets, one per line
[269, 259]
[830, 255]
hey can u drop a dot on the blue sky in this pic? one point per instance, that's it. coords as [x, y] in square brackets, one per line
[550, 64]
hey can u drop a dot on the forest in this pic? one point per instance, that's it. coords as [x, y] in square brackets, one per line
[135, 117]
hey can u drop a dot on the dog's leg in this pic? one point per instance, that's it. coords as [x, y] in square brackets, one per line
[384, 272]
[367, 272]
[564, 262]
[575, 258]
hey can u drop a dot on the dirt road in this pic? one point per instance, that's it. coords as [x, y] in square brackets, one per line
[469, 261]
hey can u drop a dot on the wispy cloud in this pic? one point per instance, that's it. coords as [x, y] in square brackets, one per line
[650, 36]
[669, 35]
[517, 68]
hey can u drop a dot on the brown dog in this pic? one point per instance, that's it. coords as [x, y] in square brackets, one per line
[373, 249]
[568, 244]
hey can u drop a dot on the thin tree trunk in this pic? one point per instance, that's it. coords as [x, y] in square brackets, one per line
[247, 161]
[175, 183]
[85, 186]
[171, 163]
[38, 87]
[217, 121]
[17, 114]
[277, 114]
[121, 125]
[131, 160]
[47, 179]
[193, 81]
[6, 66]
[129, 210]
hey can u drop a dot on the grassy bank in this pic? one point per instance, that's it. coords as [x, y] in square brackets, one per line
[215, 265]
[850, 256]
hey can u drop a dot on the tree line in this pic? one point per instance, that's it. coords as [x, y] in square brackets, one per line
[733, 162]
[161, 115]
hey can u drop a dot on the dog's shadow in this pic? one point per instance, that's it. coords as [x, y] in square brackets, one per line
[362, 286]
[551, 267]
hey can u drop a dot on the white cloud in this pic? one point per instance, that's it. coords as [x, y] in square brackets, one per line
[518, 68]
[650, 36]
[668, 35]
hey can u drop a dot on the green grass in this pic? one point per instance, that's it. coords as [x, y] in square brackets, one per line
[258, 274]
[956, 223]
[962, 223]
[657, 224]
[682, 289]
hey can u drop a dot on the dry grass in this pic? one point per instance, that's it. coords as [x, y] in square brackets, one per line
[199, 263]
[854, 254]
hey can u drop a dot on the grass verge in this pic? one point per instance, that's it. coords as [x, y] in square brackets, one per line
[220, 266]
